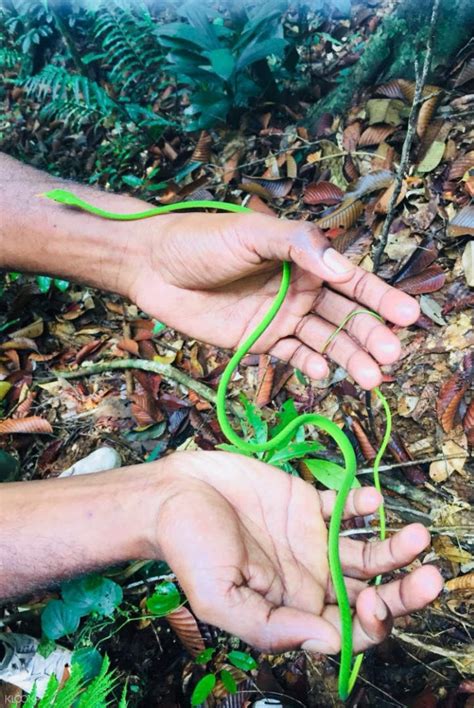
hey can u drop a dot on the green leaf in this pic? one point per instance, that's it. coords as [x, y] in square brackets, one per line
[9, 467]
[164, 600]
[89, 660]
[222, 61]
[242, 661]
[205, 656]
[203, 689]
[44, 283]
[328, 473]
[59, 619]
[260, 50]
[132, 180]
[228, 680]
[152, 432]
[61, 285]
[294, 451]
[92, 594]
[254, 417]
[158, 327]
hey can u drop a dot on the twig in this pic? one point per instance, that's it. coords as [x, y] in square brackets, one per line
[166, 370]
[440, 530]
[412, 121]
[410, 463]
[461, 658]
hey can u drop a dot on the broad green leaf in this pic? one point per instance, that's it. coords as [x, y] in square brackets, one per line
[196, 14]
[61, 285]
[285, 415]
[328, 473]
[205, 656]
[260, 50]
[228, 680]
[222, 62]
[203, 689]
[132, 180]
[158, 327]
[9, 467]
[92, 594]
[90, 661]
[59, 619]
[233, 448]
[5, 386]
[164, 600]
[254, 417]
[242, 661]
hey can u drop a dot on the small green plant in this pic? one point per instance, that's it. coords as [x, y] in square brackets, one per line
[227, 64]
[204, 687]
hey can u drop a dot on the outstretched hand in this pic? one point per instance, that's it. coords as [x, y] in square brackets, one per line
[248, 544]
[213, 276]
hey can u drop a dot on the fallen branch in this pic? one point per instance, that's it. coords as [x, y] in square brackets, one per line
[463, 659]
[166, 370]
[418, 100]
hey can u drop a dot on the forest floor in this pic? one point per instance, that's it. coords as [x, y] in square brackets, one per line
[273, 163]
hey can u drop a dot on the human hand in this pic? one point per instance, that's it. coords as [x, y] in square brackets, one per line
[213, 276]
[248, 544]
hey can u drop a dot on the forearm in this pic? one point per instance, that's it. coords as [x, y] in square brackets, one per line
[41, 236]
[60, 528]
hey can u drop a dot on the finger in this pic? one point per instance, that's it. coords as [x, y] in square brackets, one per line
[402, 597]
[389, 302]
[256, 621]
[353, 587]
[299, 241]
[359, 502]
[301, 357]
[316, 332]
[369, 331]
[365, 560]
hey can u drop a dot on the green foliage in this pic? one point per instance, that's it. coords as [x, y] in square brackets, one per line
[203, 689]
[328, 473]
[164, 600]
[241, 660]
[82, 597]
[226, 66]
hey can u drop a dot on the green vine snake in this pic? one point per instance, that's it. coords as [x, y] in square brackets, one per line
[349, 669]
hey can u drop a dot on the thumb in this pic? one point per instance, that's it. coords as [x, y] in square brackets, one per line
[301, 242]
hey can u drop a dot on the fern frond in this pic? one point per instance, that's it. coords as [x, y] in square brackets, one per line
[9, 58]
[96, 693]
[50, 693]
[71, 689]
[31, 700]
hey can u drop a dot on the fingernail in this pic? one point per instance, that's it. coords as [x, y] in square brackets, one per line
[336, 262]
[381, 610]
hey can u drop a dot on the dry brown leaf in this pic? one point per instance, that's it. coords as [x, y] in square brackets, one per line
[445, 548]
[350, 136]
[462, 582]
[31, 331]
[20, 343]
[322, 193]
[468, 423]
[145, 410]
[23, 408]
[184, 625]
[468, 263]
[267, 188]
[449, 398]
[34, 424]
[350, 171]
[344, 216]
[421, 258]
[202, 151]
[130, 346]
[375, 134]
[257, 204]
[365, 445]
[381, 205]
[391, 89]
[455, 452]
[463, 223]
[266, 375]
[466, 74]
[461, 164]
[371, 182]
[429, 281]
[354, 244]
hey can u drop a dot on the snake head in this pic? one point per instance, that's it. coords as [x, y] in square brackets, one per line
[62, 196]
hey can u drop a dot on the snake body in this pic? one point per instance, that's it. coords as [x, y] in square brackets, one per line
[348, 671]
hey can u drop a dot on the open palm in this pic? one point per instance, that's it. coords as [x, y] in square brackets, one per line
[213, 276]
[249, 546]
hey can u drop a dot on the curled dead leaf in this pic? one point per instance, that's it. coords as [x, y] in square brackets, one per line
[421, 258]
[463, 223]
[350, 136]
[350, 171]
[449, 398]
[468, 423]
[267, 188]
[34, 424]
[266, 375]
[382, 203]
[322, 193]
[462, 582]
[375, 134]
[344, 216]
[354, 244]
[365, 445]
[186, 628]
[202, 151]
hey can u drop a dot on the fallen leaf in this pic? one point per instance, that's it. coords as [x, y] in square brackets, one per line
[371, 182]
[350, 136]
[5, 386]
[463, 223]
[461, 165]
[462, 582]
[466, 74]
[375, 134]
[344, 216]
[456, 455]
[391, 89]
[31, 331]
[468, 263]
[257, 204]
[267, 188]
[468, 423]
[445, 548]
[266, 374]
[386, 110]
[322, 193]
[381, 205]
[449, 398]
[186, 629]
[422, 257]
[34, 424]
[432, 309]
[366, 446]
[429, 281]
[433, 157]
[202, 151]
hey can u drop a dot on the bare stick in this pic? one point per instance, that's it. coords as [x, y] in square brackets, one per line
[418, 99]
